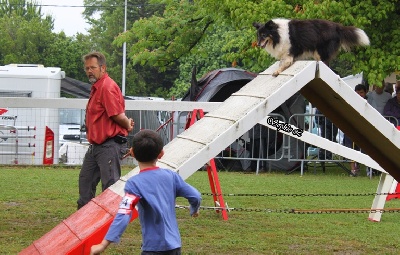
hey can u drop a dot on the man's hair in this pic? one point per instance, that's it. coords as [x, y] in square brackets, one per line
[147, 145]
[101, 59]
[360, 87]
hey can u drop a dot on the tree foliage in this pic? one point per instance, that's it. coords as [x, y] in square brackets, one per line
[140, 80]
[206, 56]
[22, 8]
[24, 35]
[185, 27]
[66, 52]
[167, 38]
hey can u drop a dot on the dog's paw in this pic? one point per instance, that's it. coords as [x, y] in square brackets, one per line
[276, 73]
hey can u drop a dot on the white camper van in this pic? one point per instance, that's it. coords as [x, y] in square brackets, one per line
[29, 135]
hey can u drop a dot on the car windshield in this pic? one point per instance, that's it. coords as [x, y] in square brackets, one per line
[71, 116]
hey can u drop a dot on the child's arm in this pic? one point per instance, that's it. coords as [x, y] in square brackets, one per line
[190, 193]
[119, 223]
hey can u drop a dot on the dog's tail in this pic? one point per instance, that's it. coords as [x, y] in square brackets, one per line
[352, 37]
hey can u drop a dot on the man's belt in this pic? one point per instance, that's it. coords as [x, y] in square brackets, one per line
[120, 139]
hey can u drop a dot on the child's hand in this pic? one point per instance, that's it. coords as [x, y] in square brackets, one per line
[99, 248]
[128, 153]
[96, 249]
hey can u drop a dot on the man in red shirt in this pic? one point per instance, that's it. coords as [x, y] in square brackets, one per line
[106, 129]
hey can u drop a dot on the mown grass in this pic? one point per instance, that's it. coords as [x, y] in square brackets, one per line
[33, 200]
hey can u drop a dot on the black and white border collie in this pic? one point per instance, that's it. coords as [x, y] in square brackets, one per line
[290, 40]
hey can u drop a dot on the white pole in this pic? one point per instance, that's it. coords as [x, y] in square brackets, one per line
[124, 54]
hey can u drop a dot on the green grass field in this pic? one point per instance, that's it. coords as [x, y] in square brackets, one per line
[33, 200]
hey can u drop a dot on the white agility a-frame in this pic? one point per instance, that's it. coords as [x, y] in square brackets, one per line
[376, 136]
[190, 150]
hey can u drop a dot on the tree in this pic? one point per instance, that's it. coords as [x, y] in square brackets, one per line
[169, 38]
[27, 9]
[66, 52]
[26, 37]
[24, 33]
[206, 56]
[140, 80]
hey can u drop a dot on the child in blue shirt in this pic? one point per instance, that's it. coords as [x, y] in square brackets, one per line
[154, 191]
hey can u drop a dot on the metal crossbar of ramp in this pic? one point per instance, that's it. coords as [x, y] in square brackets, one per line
[189, 151]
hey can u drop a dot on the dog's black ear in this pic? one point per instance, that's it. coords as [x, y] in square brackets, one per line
[256, 25]
[270, 25]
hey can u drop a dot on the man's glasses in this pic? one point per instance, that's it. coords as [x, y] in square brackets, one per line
[91, 68]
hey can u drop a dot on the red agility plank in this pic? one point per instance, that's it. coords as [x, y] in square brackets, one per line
[76, 234]
[73, 231]
[58, 241]
[87, 219]
[31, 250]
[107, 201]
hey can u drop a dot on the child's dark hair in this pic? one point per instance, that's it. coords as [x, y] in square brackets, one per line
[147, 145]
[360, 87]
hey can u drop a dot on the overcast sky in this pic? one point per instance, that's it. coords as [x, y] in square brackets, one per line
[66, 17]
